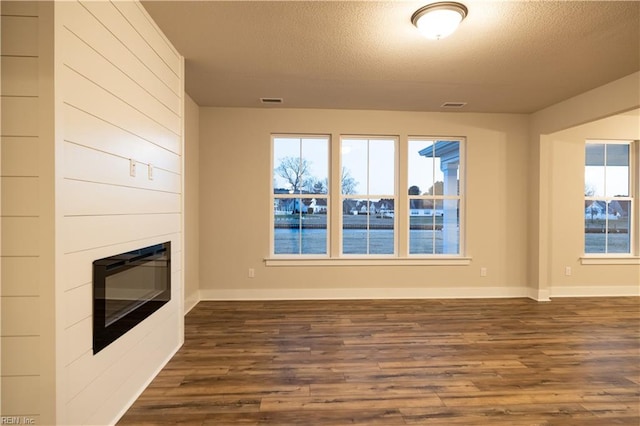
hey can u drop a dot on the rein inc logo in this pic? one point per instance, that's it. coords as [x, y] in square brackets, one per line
[17, 420]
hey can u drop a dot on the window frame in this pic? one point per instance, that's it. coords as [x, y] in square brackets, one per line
[368, 196]
[461, 197]
[400, 256]
[634, 214]
[291, 195]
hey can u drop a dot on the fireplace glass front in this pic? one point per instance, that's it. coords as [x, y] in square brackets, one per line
[127, 288]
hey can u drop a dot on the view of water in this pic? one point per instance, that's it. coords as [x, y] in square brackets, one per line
[381, 241]
[617, 243]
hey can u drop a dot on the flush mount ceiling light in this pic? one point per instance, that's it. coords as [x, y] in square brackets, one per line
[438, 20]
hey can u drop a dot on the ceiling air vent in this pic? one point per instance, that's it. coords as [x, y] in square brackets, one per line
[271, 101]
[453, 105]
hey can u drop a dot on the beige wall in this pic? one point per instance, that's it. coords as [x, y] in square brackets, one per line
[235, 146]
[192, 204]
[567, 220]
[608, 100]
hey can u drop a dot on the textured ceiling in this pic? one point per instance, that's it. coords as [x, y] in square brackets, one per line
[507, 56]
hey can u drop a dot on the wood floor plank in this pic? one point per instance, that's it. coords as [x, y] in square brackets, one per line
[394, 362]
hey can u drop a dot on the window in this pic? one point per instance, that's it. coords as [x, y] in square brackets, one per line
[434, 196]
[608, 197]
[368, 182]
[366, 197]
[300, 195]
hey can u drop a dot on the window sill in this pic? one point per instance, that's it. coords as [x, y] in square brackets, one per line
[610, 260]
[440, 261]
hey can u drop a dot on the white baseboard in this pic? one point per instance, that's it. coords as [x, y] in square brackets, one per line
[596, 291]
[538, 295]
[365, 293]
[191, 301]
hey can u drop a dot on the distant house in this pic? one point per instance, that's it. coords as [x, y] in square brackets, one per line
[597, 210]
[317, 206]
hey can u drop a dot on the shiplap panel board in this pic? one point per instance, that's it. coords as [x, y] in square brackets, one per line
[162, 344]
[86, 61]
[87, 232]
[20, 356]
[176, 285]
[78, 339]
[139, 363]
[19, 196]
[20, 316]
[88, 198]
[108, 15]
[88, 368]
[19, 156]
[20, 236]
[80, 164]
[19, 36]
[19, 8]
[19, 116]
[88, 130]
[137, 16]
[84, 25]
[17, 396]
[77, 270]
[79, 304]
[176, 260]
[20, 276]
[88, 97]
[19, 76]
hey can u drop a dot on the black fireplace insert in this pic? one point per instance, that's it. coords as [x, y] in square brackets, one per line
[127, 288]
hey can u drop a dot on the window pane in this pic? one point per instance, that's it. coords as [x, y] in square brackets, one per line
[618, 236]
[300, 226]
[368, 226]
[594, 170]
[450, 226]
[300, 165]
[607, 226]
[286, 224]
[355, 226]
[368, 166]
[382, 167]
[422, 227]
[421, 167]
[434, 167]
[354, 166]
[617, 174]
[594, 227]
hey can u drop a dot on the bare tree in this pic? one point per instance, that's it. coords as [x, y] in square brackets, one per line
[347, 182]
[589, 190]
[295, 171]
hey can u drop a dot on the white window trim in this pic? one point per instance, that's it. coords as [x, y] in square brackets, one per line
[342, 197]
[631, 258]
[460, 198]
[370, 261]
[401, 256]
[273, 196]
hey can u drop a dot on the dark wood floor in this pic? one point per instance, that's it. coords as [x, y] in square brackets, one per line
[394, 362]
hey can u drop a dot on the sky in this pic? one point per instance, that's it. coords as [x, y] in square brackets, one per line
[380, 152]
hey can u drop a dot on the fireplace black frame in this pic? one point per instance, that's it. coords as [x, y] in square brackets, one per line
[103, 333]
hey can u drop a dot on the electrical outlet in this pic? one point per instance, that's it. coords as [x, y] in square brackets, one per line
[132, 167]
[252, 273]
[483, 272]
[567, 270]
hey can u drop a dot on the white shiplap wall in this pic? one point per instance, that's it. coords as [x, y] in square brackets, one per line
[119, 86]
[20, 214]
